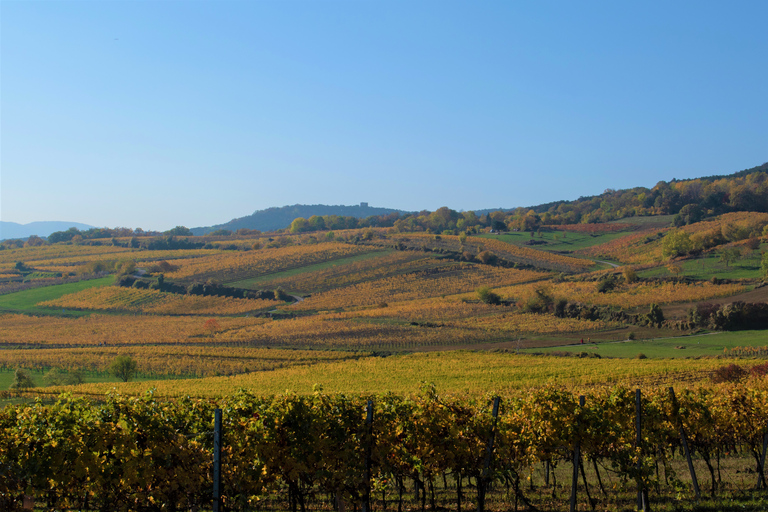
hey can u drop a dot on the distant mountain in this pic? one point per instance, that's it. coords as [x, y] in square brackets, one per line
[280, 218]
[43, 229]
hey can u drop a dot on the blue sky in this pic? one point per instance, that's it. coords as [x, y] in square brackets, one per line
[154, 114]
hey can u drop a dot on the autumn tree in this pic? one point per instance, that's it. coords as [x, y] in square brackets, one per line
[676, 243]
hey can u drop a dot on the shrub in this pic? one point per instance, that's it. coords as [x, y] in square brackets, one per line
[488, 296]
[22, 379]
[761, 370]
[729, 373]
[487, 257]
[641, 356]
[606, 284]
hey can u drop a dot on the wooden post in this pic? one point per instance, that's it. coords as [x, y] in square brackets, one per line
[684, 440]
[368, 439]
[482, 485]
[762, 461]
[576, 456]
[217, 461]
[642, 492]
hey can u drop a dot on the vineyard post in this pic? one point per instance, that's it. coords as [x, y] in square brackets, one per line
[762, 461]
[576, 455]
[368, 438]
[642, 493]
[684, 440]
[483, 484]
[217, 461]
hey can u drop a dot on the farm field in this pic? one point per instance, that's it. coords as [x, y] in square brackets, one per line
[27, 301]
[214, 307]
[711, 344]
[558, 241]
[288, 323]
[472, 373]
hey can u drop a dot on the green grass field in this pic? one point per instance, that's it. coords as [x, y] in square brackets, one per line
[26, 301]
[6, 377]
[261, 282]
[677, 347]
[557, 240]
[709, 266]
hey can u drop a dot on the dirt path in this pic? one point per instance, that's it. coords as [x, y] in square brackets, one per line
[607, 263]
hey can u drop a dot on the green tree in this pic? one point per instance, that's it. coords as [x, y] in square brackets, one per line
[676, 243]
[655, 315]
[56, 377]
[22, 379]
[123, 367]
[179, 231]
[299, 225]
[730, 255]
[764, 265]
[488, 296]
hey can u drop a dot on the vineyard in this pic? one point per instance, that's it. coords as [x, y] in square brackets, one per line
[609, 448]
[157, 302]
[313, 325]
[371, 290]
[455, 371]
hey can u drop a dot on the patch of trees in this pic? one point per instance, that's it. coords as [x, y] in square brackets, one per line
[205, 289]
[678, 243]
[170, 243]
[729, 317]
[75, 235]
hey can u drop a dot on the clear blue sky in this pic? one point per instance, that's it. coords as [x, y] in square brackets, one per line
[154, 114]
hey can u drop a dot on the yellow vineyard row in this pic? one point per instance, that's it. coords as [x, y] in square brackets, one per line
[112, 298]
[448, 280]
[239, 265]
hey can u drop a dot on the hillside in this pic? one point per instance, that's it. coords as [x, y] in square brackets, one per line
[280, 218]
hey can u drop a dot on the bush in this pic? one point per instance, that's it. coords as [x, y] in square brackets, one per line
[631, 335]
[606, 284]
[488, 296]
[282, 295]
[22, 380]
[56, 377]
[729, 373]
[487, 257]
[655, 315]
[761, 370]
[641, 356]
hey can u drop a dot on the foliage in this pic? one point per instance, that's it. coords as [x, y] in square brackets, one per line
[139, 453]
[123, 367]
[630, 275]
[55, 377]
[729, 317]
[676, 243]
[729, 373]
[488, 296]
[606, 284]
[22, 380]
[655, 315]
